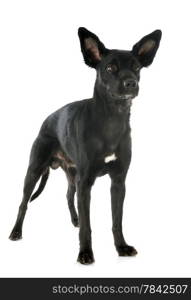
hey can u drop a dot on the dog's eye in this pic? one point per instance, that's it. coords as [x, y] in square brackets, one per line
[111, 68]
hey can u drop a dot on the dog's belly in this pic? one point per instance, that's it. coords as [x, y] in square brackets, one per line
[60, 159]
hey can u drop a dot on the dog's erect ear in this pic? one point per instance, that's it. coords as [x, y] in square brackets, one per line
[147, 47]
[92, 48]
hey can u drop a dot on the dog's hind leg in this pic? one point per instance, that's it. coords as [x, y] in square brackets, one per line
[71, 174]
[70, 197]
[39, 162]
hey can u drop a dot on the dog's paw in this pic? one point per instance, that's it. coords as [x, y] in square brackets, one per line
[75, 222]
[126, 251]
[15, 235]
[86, 257]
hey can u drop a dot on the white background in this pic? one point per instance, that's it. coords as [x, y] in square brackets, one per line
[41, 69]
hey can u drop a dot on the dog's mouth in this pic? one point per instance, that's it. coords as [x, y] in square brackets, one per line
[123, 97]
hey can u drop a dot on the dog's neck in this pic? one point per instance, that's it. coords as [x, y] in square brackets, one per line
[108, 106]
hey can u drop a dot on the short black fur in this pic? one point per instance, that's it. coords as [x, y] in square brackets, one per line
[91, 138]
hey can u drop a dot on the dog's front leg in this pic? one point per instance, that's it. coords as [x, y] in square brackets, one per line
[83, 193]
[117, 199]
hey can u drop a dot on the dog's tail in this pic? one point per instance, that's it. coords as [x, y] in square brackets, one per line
[42, 184]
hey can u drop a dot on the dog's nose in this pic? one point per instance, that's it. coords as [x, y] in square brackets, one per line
[130, 83]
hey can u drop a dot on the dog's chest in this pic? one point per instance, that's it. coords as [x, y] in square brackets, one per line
[111, 136]
[112, 129]
[110, 158]
[105, 141]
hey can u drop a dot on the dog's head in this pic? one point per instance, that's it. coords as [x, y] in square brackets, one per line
[118, 71]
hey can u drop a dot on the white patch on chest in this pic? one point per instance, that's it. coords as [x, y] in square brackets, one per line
[110, 158]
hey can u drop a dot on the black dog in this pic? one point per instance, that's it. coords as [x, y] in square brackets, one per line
[91, 138]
